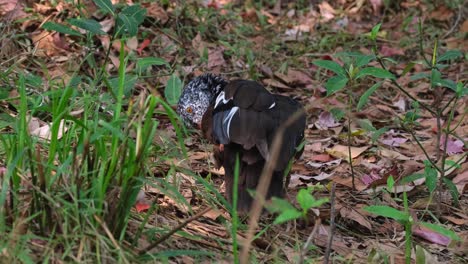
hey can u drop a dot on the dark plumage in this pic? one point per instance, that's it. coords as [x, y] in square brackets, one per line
[242, 117]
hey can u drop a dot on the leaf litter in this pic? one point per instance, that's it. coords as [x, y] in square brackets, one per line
[396, 154]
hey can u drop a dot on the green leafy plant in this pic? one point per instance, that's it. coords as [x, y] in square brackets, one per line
[287, 212]
[404, 218]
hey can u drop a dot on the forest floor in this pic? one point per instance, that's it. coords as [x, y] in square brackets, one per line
[390, 134]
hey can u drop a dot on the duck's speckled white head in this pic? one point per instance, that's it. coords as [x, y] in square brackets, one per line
[197, 96]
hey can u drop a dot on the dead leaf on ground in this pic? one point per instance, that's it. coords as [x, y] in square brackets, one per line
[321, 157]
[276, 84]
[216, 57]
[154, 10]
[324, 164]
[342, 152]
[43, 130]
[298, 77]
[391, 154]
[464, 27]
[354, 215]
[327, 12]
[442, 13]
[389, 51]
[346, 180]
[455, 220]
[326, 120]
[430, 235]
[461, 181]
[395, 189]
[45, 44]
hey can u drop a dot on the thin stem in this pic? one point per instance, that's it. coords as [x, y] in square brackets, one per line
[332, 225]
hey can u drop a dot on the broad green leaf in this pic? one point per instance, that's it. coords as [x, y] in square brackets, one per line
[435, 77]
[375, 72]
[319, 202]
[375, 31]
[365, 97]
[363, 60]
[408, 68]
[448, 83]
[332, 66]
[419, 76]
[61, 29]
[143, 63]
[431, 176]
[33, 80]
[90, 25]
[129, 84]
[390, 183]
[366, 124]
[278, 205]
[442, 230]
[135, 11]
[420, 255]
[335, 83]
[461, 90]
[450, 55]
[387, 211]
[337, 113]
[287, 216]
[173, 89]
[305, 199]
[105, 5]
[412, 178]
[127, 25]
[376, 135]
[452, 189]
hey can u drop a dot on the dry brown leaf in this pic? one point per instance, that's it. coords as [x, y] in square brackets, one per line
[198, 44]
[376, 6]
[354, 215]
[274, 83]
[347, 181]
[213, 214]
[321, 157]
[395, 189]
[461, 181]
[391, 154]
[298, 77]
[8, 5]
[430, 235]
[442, 13]
[132, 43]
[216, 58]
[342, 152]
[464, 27]
[44, 44]
[41, 130]
[155, 11]
[198, 155]
[455, 220]
[327, 12]
[107, 24]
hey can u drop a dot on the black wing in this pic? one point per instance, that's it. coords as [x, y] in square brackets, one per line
[247, 114]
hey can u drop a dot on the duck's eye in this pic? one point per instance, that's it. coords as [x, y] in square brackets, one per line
[189, 110]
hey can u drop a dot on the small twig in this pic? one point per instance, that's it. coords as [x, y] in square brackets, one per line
[349, 148]
[177, 228]
[457, 21]
[309, 239]
[332, 225]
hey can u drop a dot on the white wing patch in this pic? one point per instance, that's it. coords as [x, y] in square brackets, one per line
[220, 99]
[272, 105]
[228, 119]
